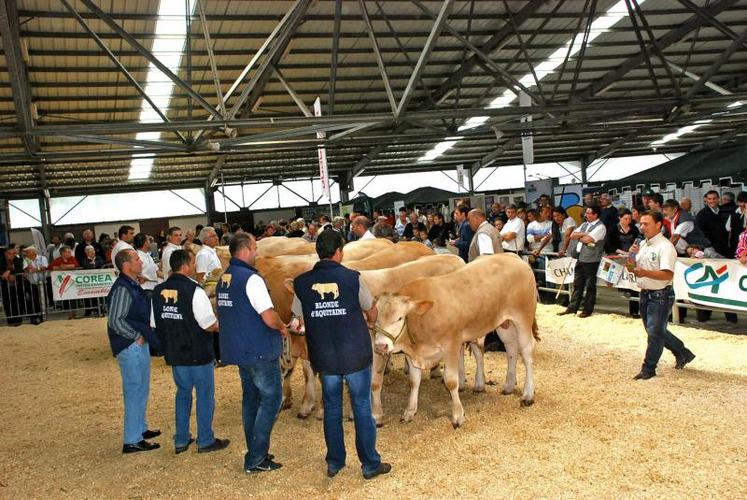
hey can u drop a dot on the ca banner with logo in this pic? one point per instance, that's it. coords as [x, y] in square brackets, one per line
[82, 284]
[715, 283]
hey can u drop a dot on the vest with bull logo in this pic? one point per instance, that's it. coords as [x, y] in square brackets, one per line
[183, 341]
[244, 338]
[336, 332]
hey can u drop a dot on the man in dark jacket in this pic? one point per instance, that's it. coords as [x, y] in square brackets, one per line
[332, 300]
[129, 335]
[709, 220]
[88, 240]
[251, 336]
[185, 322]
[464, 232]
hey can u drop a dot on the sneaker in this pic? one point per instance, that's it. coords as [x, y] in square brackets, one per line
[264, 466]
[642, 375]
[218, 444]
[384, 468]
[681, 362]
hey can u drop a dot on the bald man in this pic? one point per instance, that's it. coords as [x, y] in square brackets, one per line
[487, 239]
[686, 205]
[360, 226]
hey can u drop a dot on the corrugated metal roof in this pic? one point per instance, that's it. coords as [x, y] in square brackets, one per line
[77, 89]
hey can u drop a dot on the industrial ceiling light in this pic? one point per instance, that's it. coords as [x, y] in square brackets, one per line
[168, 47]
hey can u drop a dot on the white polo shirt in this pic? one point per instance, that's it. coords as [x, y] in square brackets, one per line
[484, 241]
[368, 235]
[515, 225]
[207, 260]
[165, 264]
[595, 229]
[121, 245]
[149, 271]
[201, 309]
[257, 293]
[656, 254]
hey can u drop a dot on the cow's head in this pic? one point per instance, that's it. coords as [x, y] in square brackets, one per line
[391, 325]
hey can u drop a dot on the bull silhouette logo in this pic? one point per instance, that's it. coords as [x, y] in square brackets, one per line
[225, 280]
[172, 295]
[324, 288]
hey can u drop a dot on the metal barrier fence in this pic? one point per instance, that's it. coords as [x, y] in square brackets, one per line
[29, 295]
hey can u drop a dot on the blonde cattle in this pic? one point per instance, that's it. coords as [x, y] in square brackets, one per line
[280, 245]
[402, 252]
[493, 292]
[357, 250]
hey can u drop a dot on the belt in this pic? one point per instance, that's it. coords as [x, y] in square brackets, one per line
[665, 289]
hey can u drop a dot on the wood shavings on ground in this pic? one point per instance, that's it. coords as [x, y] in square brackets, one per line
[592, 431]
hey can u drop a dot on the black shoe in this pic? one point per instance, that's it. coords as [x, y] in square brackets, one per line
[384, 468]
[141, 446]
[182, 449]
[681, 362]
[218, 444]
[567, 311]
[332, 473]
[584, 314]
[265, 466]
[642, 375]
[149, 434]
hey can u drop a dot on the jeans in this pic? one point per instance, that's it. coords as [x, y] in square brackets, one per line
[201, 378]
[584, 277]
[134, 365]
[262, 386]
[359, 385]
[655, 308]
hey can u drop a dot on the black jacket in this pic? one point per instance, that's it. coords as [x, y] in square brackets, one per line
[714, 228]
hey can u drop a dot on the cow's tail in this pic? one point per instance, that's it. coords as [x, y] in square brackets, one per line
[535, 330]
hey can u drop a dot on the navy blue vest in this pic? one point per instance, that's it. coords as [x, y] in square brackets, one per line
[184, 342]
[244, 338]
[336, 332]
[138, 317]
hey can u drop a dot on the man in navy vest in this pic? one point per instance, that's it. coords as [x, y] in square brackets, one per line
[185, 322]
[129, 335]
[332, 301]
[251, 337]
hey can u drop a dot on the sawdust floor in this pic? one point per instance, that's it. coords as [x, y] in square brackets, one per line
[591, 432]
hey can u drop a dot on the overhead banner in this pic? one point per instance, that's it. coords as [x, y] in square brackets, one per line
[322, 153]
[82, 283]
[715, 283]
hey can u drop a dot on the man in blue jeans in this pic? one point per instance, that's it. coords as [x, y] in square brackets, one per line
[129, 335]
[185, 322]
[251, 335]
[654, 268]
[332, 300]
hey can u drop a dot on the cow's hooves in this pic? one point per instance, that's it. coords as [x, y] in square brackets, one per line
[506, 392]
[527, 402]
[286, 405]
[490, 382]
[379, 425]
[478, 390]
[456, 425]
[303, 416]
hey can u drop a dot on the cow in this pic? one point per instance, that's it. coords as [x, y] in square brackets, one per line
[357, 250]
[170, 295]
[280, 245]
[395, 255]
[431, 318]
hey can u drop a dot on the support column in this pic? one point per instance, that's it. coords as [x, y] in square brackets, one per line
[209, 203]
[45, 220]
[585, 162]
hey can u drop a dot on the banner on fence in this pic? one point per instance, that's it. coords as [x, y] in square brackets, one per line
[82, 284]
[560, 271]
[715, 283]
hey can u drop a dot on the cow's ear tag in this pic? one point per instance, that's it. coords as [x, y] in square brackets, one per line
[423, 306]
[288, 282]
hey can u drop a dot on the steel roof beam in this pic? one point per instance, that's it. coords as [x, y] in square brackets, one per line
[377, 55]
[106, 18]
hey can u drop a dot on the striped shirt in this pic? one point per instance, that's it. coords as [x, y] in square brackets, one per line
[118, 309]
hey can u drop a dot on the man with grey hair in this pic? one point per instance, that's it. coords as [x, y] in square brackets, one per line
[311, 232]
[487, 240]
[686, 205]
[207, 259]
[130, 334]
[88, 240]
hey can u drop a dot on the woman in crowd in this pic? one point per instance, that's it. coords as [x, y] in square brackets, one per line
[625, 236]
[66, 261]
[741, 254]
[636, 213]
[294, 232]
[12, 285]
[91, 261]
